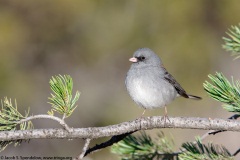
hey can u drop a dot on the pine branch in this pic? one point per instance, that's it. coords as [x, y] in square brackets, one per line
[214, 132]
[10, 119]
[14, 118]
[235, 116]
[232, 43]
[198, 151]
[108, 143]
[143, 147]
[146, 123]
[61, 99]
[223, 91]
[62, 102]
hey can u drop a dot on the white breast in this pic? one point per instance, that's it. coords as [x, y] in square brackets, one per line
[151, 92]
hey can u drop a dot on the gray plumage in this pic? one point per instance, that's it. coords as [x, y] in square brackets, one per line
[149, 83]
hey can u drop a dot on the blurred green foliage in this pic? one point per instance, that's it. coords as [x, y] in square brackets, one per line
[232, 42]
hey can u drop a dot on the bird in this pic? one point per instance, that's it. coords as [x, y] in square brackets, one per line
[150, 85]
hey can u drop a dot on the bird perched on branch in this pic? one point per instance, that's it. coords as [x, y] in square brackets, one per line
[149, 83]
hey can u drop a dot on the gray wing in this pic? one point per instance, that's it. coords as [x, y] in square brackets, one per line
[168, 77]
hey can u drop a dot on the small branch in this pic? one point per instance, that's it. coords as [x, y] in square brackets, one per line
[146, 123]
[87, 142]
[235, 116]
[238, 151]
[110, 142]
[213, 132]
[64, 116]
[45, 116]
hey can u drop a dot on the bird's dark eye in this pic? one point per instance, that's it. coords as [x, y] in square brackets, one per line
[141, 58]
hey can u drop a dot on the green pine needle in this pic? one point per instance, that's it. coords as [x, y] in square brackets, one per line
[233, 42]
[143, 147]
[222, 90]
[199, 151]
[9, 120]
[61, 99]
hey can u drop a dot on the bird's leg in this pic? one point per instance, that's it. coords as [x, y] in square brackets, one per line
[143, 113]
[140, 118]
[166, 116]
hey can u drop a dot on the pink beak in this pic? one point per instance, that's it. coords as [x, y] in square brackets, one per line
[133, 59]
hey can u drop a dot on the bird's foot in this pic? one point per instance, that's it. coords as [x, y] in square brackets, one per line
[165, 118]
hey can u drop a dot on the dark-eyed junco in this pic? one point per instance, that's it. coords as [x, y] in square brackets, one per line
[149, 83]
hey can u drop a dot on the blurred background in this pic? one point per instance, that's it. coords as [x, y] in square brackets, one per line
[92, 41]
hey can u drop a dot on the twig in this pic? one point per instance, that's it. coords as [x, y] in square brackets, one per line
[235, 116]
[87, 142]
[238, 151]
[213, 132]
[110, 142]
[45, 116]
[64, 116]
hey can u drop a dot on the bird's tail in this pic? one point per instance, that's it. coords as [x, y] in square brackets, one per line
[194, 97]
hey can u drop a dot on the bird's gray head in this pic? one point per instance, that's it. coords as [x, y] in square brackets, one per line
[145, 57]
